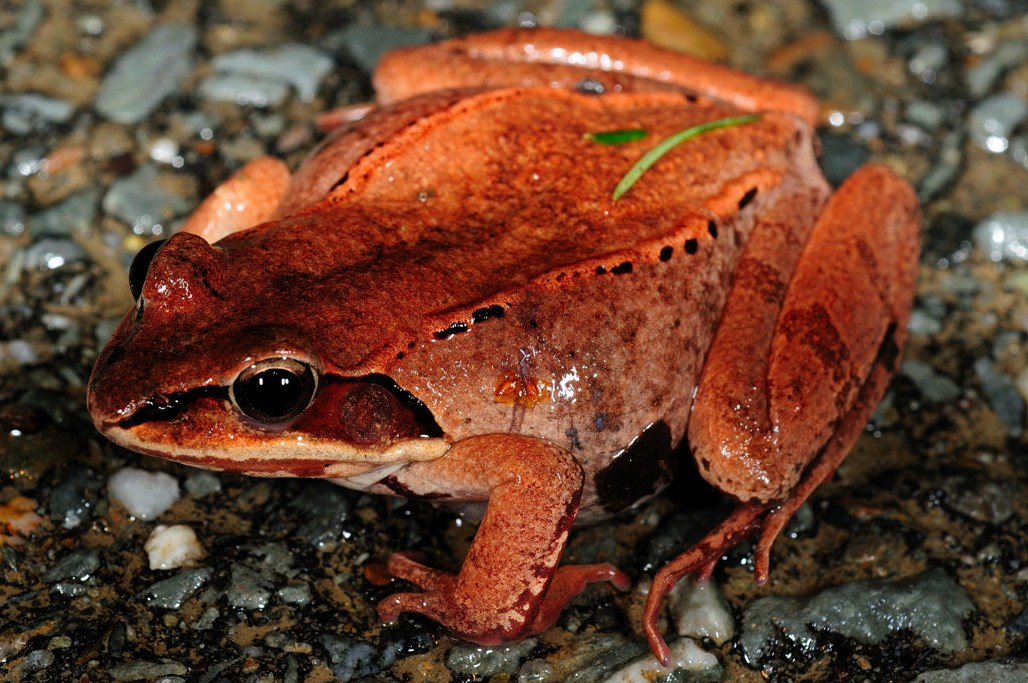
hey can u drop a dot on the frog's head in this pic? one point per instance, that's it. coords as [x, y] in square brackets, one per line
[220, 367]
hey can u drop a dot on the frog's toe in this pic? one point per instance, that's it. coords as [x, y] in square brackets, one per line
[568, 582]
[408, 566]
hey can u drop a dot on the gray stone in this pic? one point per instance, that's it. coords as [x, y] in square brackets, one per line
[366, 44]
[1003, 236]
[202, 483]
[992, 121]
[142, 201]
[244, 90]
[143, 671]
[74, 215]
[350, 658]
[249, 589]
[1002, 394]
[930, 605]
[78, 565]
[147, 73]
[28, 18]
[29, 113]
[979, 672]
[981, 77]
[487, 661]
[324, 508]
[51, 253]
[300, 66]
[12, 218]
[854, 20]
[933, 385]
[172, 592]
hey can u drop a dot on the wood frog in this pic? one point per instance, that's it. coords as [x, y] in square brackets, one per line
[446, 302]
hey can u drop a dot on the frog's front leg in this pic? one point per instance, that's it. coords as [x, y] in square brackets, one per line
[508, 587]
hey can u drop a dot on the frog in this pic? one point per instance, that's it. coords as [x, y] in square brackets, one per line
[446, 302]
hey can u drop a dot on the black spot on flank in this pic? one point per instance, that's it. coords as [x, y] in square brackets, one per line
[712, 229]
[599, 420]
[640, 470]
[411, 345]
[590, 86]
[747, 198]
[454, 328]
[666, 253]
[400, 356]
[691, 246]
[480, 315]
[600, 270]
[622, 268]
[689, 97]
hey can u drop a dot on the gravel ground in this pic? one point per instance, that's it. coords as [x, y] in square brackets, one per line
[117, 118]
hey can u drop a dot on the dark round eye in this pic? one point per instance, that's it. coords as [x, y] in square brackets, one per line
[274, 391]
[140, 265]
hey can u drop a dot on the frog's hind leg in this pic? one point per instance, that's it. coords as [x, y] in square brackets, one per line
[252, 195]
[794, 371]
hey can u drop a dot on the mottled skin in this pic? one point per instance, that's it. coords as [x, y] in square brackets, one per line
[461, 242]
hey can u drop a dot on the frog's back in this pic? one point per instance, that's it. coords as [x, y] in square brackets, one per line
[505, 287]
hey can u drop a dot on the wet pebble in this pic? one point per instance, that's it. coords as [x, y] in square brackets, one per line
[31, 113]
[12, 218]
[991, 122]
[928, 115]
[137, 670]
[324, 508]
[147, 73]
[350, 658]
[981, 77]
[51, 253]
[488, 661]
[171, 547]
[1003, 236]
[699, 610]
[78, 564]
[248, 589]
[978, 672]
[146, 495]
[295, 595]
[146, 200]
[300, 66]
[246, 91]
[74, 215]
[855, 20]
[1002, 395]
[933, 385]
[74, 499]
[24, 24]
[366, 44]
[930, 605]
[689, 663]
[202, 483]
[172, 592]
[37, 660]
[980, 497]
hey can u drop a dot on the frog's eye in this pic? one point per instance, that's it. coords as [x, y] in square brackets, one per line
[274, 391]
[140, 266]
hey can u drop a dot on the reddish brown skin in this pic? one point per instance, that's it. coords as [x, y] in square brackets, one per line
[461, 241]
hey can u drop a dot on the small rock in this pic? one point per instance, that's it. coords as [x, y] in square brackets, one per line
[699, 610]
[933, 385]
[1002, 394]
[991, 122]
[172, 592]
[350, 658]
[12, 218]
[147, 73]
[323, 507]
[74, 498]
[1003, 236]
[37, 660]
[982, 76]
[31, 113]
[246, 91]
[689, 664]
[146, 495]
[171, 547]
[295, 595]
[51, 253]
[202, 483]
[855, 20]
[366, 44]
[488, 661]
[930, 605]
[78, 564]
[30, 14]
[143, 671]
[74, 215]
[300, 66]
[145, 200]
[982, 499]
[249, 589]
[977, 672]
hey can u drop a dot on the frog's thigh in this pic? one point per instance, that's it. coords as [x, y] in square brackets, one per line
[249, 197]
[840, 326]
[506, 588]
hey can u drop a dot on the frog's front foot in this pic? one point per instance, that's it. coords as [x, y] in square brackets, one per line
[474, 610]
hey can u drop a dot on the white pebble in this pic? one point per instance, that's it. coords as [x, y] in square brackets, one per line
[171, 547]
[146, 495]
[699, 610]
[685, 655]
